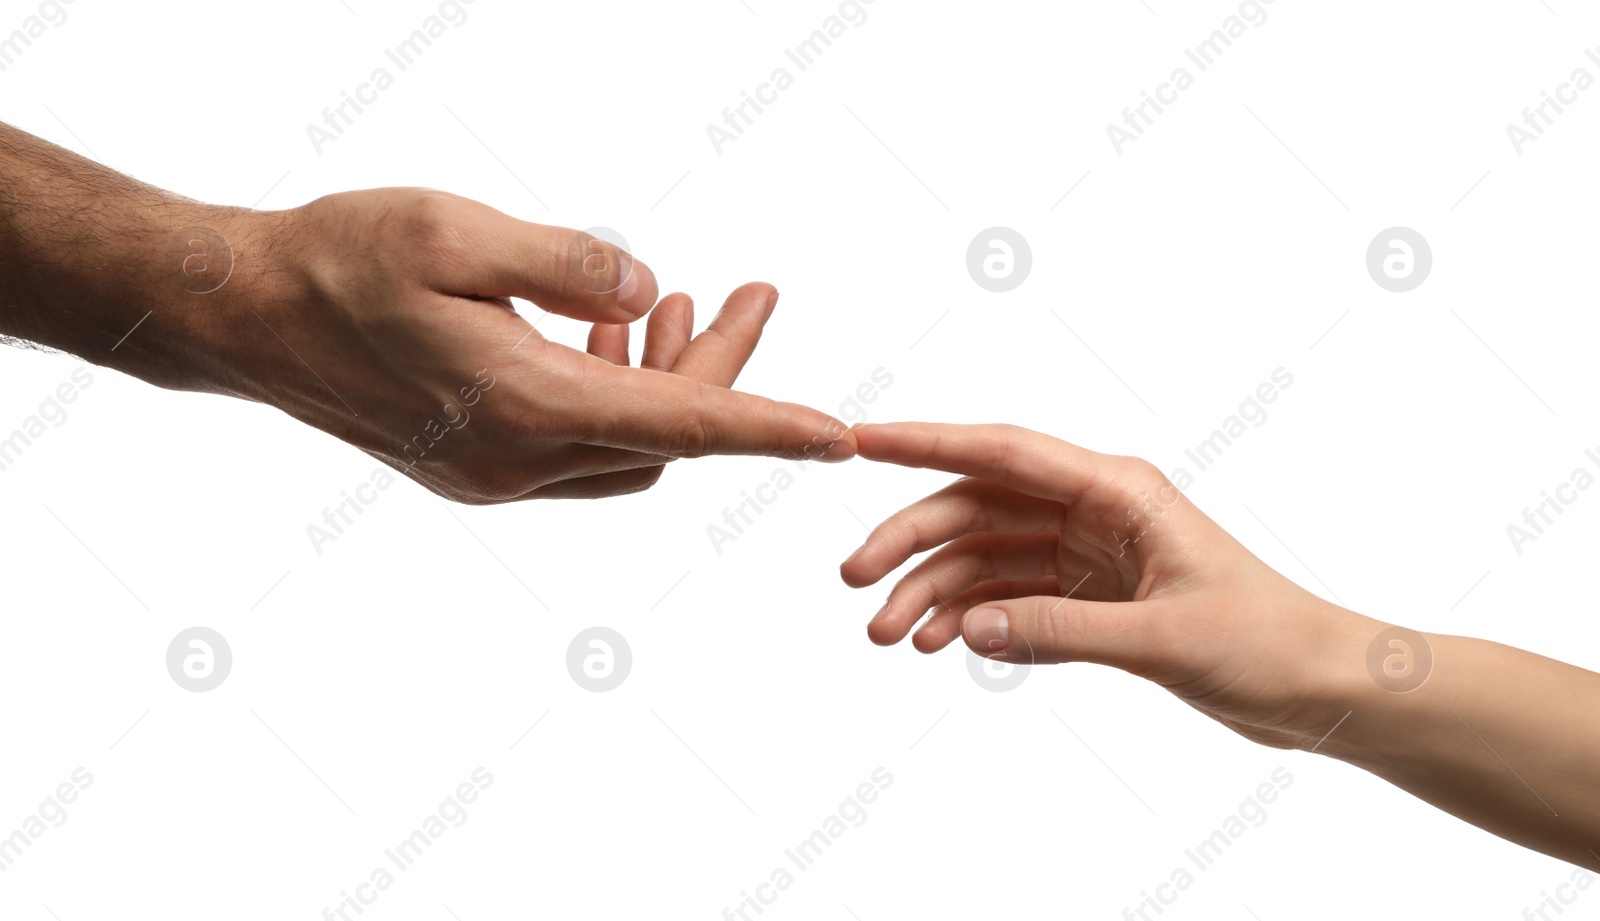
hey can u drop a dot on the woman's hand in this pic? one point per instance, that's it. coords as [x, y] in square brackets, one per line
[1047, 552]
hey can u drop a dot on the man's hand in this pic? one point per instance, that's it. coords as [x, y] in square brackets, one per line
[400, 338]
[385, 318]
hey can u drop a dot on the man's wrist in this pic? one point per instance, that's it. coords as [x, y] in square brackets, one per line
[216, 271]
[178, 298]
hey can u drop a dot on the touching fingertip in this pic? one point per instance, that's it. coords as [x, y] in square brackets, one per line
[859, 431]
[837, 451]
[841, 448]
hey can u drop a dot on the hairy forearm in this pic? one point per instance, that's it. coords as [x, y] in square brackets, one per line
[117, 271]
[1500, 737]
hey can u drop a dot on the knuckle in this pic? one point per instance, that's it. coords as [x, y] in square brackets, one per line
[691, 436]
[435, 224]
[1008, 438]
[899, 533]
[1146, 470]
[1140, 474]
[1053, 629]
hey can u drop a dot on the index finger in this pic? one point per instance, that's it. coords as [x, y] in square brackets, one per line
[1024, 460]
[663, 413]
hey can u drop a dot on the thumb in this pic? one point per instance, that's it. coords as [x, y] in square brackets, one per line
[1129, 635]
[570, 272]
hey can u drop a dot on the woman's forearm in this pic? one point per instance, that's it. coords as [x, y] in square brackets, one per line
[1500, 737]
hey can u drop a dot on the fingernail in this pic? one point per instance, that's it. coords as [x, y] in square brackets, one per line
[631, 298]
[633, 295]
[881, 611]
[989, 629]
[852, 557]
[772, 302]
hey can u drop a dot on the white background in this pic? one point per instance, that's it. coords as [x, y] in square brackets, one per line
[369, 680]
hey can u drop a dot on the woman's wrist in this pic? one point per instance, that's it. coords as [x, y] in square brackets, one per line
[1355, 665]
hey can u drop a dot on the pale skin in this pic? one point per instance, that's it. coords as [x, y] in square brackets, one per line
[1046, 552]
[377, 316]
